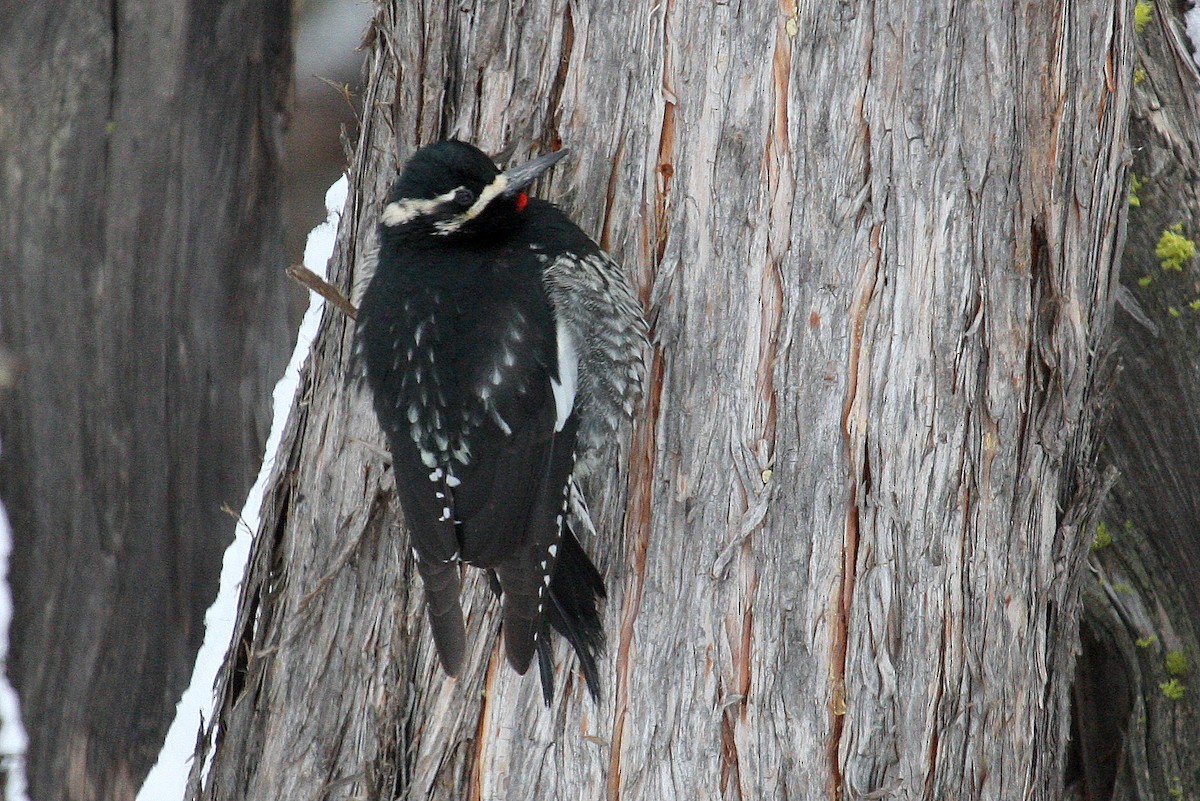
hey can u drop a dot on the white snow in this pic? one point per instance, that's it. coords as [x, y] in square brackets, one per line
[13, 740]
[168, 778]
[1191, 20]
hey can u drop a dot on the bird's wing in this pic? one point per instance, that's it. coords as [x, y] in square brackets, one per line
[511, 499]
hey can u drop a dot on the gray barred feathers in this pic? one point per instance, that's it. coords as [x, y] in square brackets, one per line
[593, 299]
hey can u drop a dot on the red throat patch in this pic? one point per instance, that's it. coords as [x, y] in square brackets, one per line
[522, 201]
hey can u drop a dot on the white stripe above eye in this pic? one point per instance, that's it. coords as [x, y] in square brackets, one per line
[568, 377]
[406, 210]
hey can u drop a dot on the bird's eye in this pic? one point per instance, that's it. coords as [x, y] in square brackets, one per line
[463, 196]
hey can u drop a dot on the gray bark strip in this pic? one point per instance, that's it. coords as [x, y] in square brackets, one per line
[1136, 695]
[844, 540]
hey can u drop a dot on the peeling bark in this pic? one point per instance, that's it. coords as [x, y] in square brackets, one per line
[844, 541]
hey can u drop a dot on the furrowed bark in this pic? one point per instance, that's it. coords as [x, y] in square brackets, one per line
[845, 539]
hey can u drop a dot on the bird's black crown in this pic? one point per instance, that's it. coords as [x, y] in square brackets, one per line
[441, 167]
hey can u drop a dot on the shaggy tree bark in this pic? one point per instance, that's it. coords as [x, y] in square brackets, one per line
[845, 539]
[1137, 697]
[142, 294]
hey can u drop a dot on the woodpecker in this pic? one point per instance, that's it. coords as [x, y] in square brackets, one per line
[502, 348]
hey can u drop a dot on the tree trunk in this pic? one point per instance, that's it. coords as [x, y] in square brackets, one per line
[1136, 696]
[845, 539]
[142, 295]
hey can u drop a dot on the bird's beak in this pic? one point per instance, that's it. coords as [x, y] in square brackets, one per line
[521, 176]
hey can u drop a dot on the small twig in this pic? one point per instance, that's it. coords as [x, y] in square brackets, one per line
[1127, 301]
[342, 89]
[316, 283]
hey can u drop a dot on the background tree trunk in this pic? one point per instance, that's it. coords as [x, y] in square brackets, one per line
[1137, 698]
[845, 540]
[142, 293]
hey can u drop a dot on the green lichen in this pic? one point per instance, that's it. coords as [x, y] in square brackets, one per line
[1174, 249]
[1135, 184]
[1139, 75]
[1174, 312]
[1195, 305]
[1177, 664]
[1145, 280]
[1122, 588]
[1146, 642]
[1172, 689]
[1102, 539]
[1175, 791]
[1141, 14]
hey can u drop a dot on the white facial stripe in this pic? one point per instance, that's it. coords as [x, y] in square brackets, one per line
[409, 209]
[489, 193]
[485, 197]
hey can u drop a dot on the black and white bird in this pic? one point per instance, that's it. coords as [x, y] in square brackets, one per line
[502, 346]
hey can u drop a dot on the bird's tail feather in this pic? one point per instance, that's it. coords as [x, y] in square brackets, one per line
[575, 588]
[444, 611]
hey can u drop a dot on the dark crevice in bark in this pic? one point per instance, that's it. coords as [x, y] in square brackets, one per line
[552, 137]
[114, 28]
[1101, 705]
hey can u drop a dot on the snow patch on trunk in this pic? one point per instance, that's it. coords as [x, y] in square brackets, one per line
[1191, 20]
[13, 740]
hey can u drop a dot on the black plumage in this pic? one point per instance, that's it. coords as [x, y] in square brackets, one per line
[500, 345]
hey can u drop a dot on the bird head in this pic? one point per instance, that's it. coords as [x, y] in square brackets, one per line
[453, 191]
